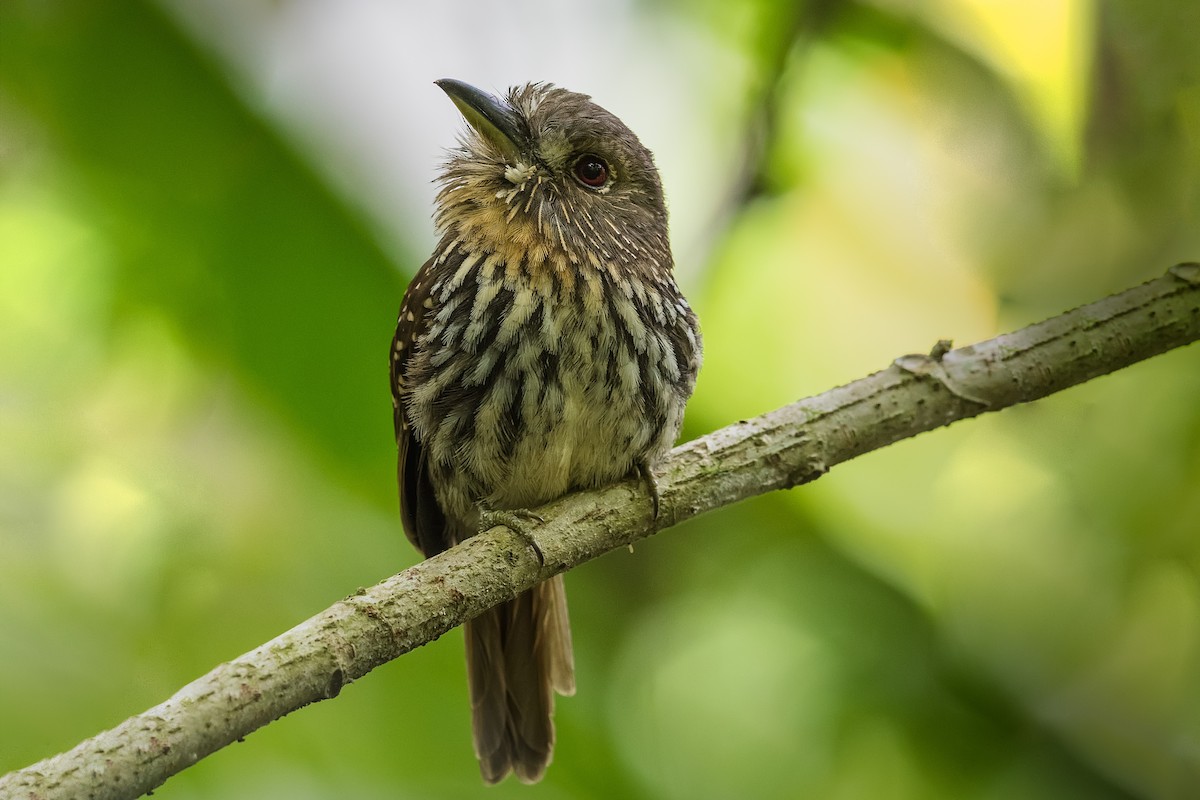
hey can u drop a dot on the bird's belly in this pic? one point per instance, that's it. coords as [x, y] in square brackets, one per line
[578, 437]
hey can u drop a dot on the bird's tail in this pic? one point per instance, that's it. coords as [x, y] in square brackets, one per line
[518, 655]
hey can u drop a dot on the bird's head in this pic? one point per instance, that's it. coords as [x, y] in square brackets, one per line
[547, 174]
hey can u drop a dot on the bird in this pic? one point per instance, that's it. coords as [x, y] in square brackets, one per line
[543, 348]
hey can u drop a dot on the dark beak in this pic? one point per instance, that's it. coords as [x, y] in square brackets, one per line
[491, 117]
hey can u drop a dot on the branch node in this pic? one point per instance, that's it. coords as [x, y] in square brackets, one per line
[940, 349]
[931, 369]
[1187, 271]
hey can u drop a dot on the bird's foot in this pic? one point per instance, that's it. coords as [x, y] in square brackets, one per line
[645, 472]
[516, 520]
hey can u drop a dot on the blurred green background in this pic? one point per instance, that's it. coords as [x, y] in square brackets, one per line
[208, 212]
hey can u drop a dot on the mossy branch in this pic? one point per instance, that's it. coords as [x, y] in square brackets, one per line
[778, 450]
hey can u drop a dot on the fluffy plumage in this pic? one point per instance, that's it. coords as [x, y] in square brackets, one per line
[543, 348]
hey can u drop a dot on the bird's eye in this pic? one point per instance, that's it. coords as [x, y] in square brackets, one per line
[591, 171]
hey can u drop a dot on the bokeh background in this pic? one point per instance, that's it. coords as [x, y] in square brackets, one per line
[208, 212]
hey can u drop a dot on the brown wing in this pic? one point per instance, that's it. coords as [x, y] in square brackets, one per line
[424, 523]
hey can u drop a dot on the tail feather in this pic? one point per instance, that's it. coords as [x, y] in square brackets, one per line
[518, 655]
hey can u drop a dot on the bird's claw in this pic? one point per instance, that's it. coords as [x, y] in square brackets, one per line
[647, 475]
[516, 520]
